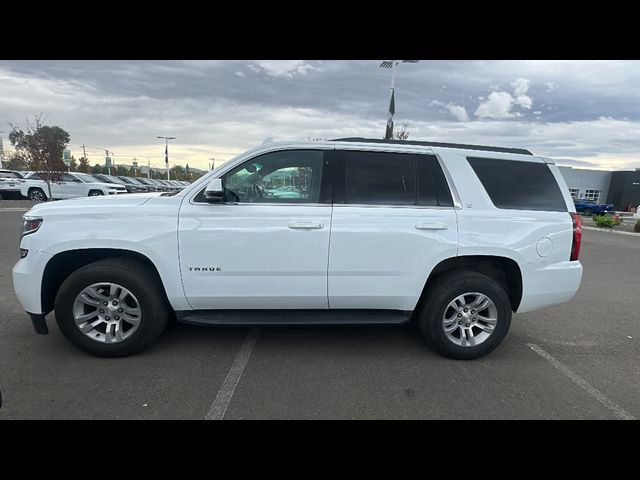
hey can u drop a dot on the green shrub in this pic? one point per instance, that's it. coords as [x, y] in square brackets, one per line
[606, 221]
[636, 227]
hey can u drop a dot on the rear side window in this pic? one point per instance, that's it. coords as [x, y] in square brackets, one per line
[379, 178]
[519, 185]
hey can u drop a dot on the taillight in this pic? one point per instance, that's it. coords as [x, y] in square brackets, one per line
[30, 225]
[577, 236]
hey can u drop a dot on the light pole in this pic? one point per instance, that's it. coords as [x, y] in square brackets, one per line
[212, 165]
[166, 153]
[388, 135]
[1, 152]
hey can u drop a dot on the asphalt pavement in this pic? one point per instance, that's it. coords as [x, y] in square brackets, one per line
[576, 361]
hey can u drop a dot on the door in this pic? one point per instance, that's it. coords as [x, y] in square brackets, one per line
[266, 246]
[393, 221]
[68, 187]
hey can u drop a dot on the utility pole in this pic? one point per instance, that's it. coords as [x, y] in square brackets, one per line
[1, 152]
[148, 168]
[212, 164]
[166, 153]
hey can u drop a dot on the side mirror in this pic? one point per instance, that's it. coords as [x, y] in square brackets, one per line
[214, 192]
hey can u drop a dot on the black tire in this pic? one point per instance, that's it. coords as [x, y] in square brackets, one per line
[95, 193]
[140, 280]
[588, 212]
[438, 296]
[37, 195]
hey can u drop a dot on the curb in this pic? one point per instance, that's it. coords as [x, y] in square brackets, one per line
[610, 231]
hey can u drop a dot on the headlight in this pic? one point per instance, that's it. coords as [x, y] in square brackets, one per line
[30, 225]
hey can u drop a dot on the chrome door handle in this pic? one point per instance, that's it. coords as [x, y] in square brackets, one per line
[431, 226]
[305, 225]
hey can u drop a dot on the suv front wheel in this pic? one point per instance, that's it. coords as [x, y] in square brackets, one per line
[112, 307]
[465, 315]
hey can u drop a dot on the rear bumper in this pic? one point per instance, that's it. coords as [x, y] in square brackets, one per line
[549, 284]
[27, 280]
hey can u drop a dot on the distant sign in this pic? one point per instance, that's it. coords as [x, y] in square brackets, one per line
[135, 163]
[66, 156]
[107, 161]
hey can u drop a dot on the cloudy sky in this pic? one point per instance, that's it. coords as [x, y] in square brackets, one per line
[583, 113]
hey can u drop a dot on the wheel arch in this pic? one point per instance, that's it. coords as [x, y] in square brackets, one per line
[63, 264]
[504, 270]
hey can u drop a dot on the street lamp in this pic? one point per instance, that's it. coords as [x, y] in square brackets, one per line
[388, 135]
[1, 152]
[166, 153]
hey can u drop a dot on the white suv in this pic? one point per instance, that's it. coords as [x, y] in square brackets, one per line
[455, 237]
[67, 185]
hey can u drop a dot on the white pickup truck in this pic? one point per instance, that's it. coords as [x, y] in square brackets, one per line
[452, 237]
[68, 185]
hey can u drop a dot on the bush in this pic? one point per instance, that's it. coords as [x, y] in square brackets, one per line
[636, 227]
[606, 221]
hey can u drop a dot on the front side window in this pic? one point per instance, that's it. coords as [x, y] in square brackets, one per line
[69, 178]
[288, 176]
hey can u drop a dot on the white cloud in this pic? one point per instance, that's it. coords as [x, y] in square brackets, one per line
[458, 111]
[240, 74]
[498, 105]
[551, 86]
[282, 68]
[520, 89]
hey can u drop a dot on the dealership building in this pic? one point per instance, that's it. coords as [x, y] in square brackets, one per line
[621, 188]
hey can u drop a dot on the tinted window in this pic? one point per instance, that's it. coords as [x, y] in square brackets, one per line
[519, 185]
[380, 178]
[432, 184]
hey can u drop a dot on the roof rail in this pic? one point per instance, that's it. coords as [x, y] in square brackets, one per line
[520, 151]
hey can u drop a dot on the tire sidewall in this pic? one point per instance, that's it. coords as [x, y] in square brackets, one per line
[448, 289]
[147, 331]
[33, 191]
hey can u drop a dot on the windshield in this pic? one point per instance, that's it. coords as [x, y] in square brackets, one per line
[86, 178]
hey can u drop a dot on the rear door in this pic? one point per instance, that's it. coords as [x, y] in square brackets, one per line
[393, 221]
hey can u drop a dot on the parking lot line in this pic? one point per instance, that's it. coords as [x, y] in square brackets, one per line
[595, 393]
[13, 209]
[225, 394]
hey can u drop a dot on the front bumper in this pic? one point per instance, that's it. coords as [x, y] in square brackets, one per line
[27, 280]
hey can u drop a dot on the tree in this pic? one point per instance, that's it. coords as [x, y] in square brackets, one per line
[14, 162]
[402, 134]
[83, 165]
[73, 165]
[41, 146]
[97, 168]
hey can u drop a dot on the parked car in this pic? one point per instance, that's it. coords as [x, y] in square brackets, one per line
[387, 232]
[591, 207]
[636, 216]
[134, 182]
[10, 181]
[130, 187]
[68, 185]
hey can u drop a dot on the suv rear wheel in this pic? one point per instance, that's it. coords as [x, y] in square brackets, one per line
[465, 315]
[111, 308]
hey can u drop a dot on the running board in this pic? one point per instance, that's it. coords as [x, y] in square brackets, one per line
[293, 317]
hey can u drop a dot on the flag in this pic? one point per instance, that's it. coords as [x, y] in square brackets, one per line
[392, 110]
[166, 155]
